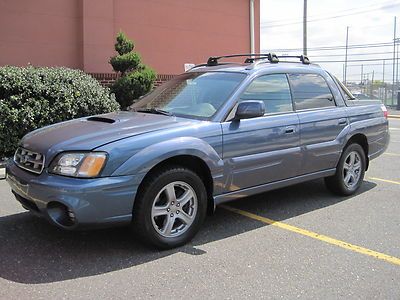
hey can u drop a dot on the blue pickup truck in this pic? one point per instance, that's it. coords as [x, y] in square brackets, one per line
[219, 132]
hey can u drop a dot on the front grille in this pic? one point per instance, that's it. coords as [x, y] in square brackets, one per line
[29, 160]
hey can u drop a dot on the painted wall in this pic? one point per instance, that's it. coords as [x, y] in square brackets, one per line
[81, 33]
[41, 32]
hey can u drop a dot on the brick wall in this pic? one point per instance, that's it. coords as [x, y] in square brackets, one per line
[107, 79]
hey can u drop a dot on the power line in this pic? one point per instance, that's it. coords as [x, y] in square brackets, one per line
[329, 14]
[354, 46]
[366, 65]
[350, 54]
[353, 60]
[328, 18]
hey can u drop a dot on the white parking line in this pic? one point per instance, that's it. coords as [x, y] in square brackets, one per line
[2, 173]
[391, 154]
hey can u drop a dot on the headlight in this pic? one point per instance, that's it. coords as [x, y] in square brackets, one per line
[74, 164]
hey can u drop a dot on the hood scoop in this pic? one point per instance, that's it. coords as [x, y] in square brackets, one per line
[101, 119]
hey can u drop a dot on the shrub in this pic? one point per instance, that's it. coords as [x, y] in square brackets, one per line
[125, 62]
[136, 78]
[133, 85]
[123, 44]
[32, 97]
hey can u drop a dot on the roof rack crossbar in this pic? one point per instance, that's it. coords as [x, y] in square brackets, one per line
[213, 60]
[304, 59]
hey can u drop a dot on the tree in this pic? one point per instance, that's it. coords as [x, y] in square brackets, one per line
[136, 78]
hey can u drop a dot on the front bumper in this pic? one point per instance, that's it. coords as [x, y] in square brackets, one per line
[97, 202]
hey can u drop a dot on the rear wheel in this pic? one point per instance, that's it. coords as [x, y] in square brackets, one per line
[349, 171]
[171, 207]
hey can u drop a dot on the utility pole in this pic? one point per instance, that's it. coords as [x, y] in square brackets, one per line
[394, 57]
[305, 28]
[383, 82]
[362, 71]
[372, 83]
[397, 62]
[343, 74]
[345, 60]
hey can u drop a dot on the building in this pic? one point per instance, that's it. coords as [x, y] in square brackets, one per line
[168, 33]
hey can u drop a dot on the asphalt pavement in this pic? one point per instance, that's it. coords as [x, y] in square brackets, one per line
[296, 242]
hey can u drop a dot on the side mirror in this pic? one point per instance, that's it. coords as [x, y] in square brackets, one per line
[250, 109]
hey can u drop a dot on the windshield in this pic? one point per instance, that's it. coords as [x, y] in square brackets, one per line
[194, 94]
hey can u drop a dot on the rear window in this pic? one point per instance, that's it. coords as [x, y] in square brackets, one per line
[310, 91]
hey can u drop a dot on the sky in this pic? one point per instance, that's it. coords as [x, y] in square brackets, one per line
[369, 22]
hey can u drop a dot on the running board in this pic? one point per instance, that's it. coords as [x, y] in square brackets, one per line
[219, 199]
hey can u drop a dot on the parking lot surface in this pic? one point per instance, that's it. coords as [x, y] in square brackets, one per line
[296, 242]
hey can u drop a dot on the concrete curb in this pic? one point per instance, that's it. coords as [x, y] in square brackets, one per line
[2, 169]
[394, 116]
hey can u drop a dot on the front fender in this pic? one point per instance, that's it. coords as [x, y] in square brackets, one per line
[144, 160]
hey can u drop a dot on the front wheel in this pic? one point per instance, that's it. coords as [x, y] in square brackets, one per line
[171, 207]
[349, 171]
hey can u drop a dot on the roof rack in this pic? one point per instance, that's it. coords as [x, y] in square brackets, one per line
[253, 57]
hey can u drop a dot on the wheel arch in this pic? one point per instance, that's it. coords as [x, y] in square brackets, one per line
[362, 140]
[191, 162]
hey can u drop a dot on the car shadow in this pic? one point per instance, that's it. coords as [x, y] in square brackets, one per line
[33, 252]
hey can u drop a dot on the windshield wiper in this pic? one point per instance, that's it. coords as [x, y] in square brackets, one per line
[154, 111]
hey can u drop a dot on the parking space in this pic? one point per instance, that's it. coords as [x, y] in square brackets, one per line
[323, 246]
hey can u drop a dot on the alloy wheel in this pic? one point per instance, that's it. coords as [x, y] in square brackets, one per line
[174, 209]
[352, 169]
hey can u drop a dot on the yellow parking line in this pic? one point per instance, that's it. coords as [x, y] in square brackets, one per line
[317, 236]
[384, 180]
[391, 154]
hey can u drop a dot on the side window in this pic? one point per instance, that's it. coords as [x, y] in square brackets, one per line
[310, 91]
[347, 95]
[273, 90]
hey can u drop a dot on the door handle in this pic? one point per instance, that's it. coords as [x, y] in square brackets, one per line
[290, 129]
[342, 121]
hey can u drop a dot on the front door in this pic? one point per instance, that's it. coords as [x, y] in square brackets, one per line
[264, 149]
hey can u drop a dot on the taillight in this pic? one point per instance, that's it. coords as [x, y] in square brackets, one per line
[385, 112]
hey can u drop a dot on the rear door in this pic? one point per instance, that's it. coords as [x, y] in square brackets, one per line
[322, 121]
[264, 149]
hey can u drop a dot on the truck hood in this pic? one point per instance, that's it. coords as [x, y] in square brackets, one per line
[91, 132]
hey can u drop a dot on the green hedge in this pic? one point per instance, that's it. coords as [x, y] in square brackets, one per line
[32, 97]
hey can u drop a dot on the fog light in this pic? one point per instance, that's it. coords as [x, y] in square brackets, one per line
[61, 214]
[71, 214]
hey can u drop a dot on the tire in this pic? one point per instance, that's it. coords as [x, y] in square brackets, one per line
[170, 208]
[349, 171]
